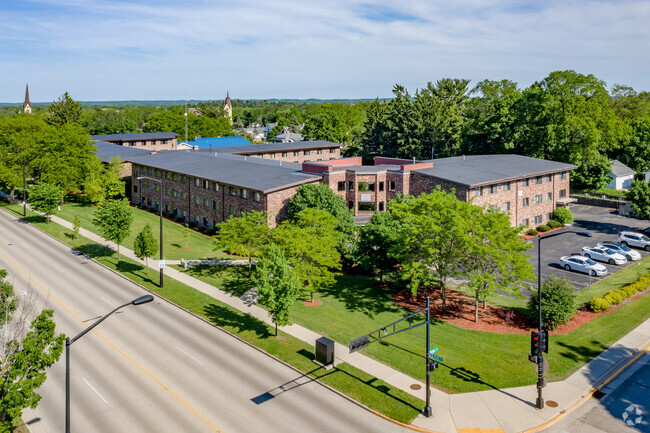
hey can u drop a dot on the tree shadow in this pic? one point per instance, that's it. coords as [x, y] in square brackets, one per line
[360, 294]
[581, 353]
[602, 227]
[470, 376]
[34, 219]
[127, 267]
[231, 279]
[95, 250]
[241, 322]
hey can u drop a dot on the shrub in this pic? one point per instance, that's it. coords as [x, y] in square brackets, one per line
[210, 232]
[532, 232]
[553, 224]
[598, 304]
[563, 216]
[191, 224]
[614, 297]
[200, 229]
[178, 219]
[543, 228]
[558, 302]
[170, 215]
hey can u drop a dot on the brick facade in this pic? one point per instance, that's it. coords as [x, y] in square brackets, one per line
[297, 155]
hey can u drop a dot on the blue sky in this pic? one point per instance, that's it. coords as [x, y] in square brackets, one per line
[167, 49]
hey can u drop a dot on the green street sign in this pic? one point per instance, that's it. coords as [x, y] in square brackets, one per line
[432, 351]
[436, 357]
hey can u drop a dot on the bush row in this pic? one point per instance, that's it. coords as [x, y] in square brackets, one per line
[615, 297]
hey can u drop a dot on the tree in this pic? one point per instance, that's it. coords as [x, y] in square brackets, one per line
[145, 245]
[27, 348]
[639, 197]
[375, 241]
[563, 215]
[335, 122]
[76, 225]
[321, 197]
[310, 245]
[64, 110]
[496, 256]
[246, 235]
[558, 302]
[114, 218]
[432, 239]
[277, 285]
[45, 198]
[104, 181]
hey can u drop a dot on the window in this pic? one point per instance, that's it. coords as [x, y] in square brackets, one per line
[231, 210]
[206, 202]
[524, 202]
[174, 176]
[526, 182]
[563, 175]
[538, 198]
[549, 216]
[549, 196]
[524, 222]
[506, 186]
[197, 181]
[492, 189]
[243, 193]
[319, 151]
[164, 141]
[538, 219]
[538, 180]
[391, 185]
[183, 179]
[366, 206]
[135, 188]
[381, 186]
[215, 205]
[231, 190]
[157, 187]
[157, 173]
[381, 206]
[196, 199]
[306, 152]
[206, 222]
[284, 154]
[549, 178]
[505, 206]
[272, 155]
[341, 186]
[296, 153]
[167, 208]
[174, 193]
[206, 184]
[149, 170]
[332, 150]
[183, 214]
[166, 191]
[167, 175]
[479, 191]
[256, 196]
[351, 185]
[562, 193]
[183, 195]
[215, 186]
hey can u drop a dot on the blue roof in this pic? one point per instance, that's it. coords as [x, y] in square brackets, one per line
[203, 143]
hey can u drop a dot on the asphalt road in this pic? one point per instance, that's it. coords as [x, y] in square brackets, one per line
[604, 225]
[622, 406]
[154, 367]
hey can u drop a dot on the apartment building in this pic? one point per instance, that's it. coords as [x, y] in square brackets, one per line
[153, 141]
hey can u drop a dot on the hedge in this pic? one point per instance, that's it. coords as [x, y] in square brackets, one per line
[615, 297]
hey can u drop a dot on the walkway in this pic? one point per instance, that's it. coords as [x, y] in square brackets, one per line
[502, 410]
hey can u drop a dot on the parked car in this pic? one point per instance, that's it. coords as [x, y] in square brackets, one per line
[582, 264]
[603, 254]
[634, 239]
[622, 249]
[645, 231]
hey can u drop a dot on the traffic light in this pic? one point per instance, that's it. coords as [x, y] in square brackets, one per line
[432, 365]
[532, 358]
[535, 343]
[544, 340]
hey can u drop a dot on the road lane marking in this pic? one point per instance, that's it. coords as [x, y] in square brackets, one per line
[190, 356]
[96, 392]
[57, 267]
[107, 301]
[130, 360]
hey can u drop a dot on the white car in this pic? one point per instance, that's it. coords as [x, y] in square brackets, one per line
[634, 239]
[603, 254]
[582, 264]
[622, 249]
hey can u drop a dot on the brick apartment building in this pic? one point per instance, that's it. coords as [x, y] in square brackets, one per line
[296, 152]
[152, 141]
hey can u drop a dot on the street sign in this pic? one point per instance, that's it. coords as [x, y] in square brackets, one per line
[161, 264]
[436, 357]
[432, 351]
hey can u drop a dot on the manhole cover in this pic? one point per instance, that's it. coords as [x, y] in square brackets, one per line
[415, 386]
[551, 403]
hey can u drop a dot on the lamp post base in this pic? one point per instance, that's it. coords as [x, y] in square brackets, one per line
[427, 412]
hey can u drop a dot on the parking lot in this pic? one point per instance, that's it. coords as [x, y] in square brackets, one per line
[603, 223]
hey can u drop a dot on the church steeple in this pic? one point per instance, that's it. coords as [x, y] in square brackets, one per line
[227, 107]
[27, 105]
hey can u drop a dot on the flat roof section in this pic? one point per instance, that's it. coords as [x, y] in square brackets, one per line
[251, 173]
[485, 169]
[106, 151]
[272, 147]
[141, 136]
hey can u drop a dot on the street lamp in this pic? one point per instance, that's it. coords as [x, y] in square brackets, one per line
[539, 404]
[68, 342]
[24, 182]
[161, 263]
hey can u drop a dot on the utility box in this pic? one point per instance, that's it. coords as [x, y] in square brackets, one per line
[324, 352]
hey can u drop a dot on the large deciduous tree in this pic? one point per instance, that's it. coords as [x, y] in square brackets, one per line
[45, 198]
[246, 235]
[277, 285]
[374, 244]
[114, 218]
[639, 197]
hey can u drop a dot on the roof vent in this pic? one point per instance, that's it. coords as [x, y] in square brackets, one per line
[414, 160]
[463, 157]
[215, 154]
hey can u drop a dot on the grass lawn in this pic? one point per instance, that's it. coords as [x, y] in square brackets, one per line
[355, 383]
[200, 246]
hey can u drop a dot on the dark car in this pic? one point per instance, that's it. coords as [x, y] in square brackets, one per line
[645, 231]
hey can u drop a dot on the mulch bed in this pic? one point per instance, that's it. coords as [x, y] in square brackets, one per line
[460, 312]
[312, 304]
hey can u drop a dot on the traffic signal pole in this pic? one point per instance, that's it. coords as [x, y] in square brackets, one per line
[539, 404]
[427, 408]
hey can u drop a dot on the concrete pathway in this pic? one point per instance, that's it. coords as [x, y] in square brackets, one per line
[501, 410]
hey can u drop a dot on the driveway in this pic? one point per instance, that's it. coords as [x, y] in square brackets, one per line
[604, 225]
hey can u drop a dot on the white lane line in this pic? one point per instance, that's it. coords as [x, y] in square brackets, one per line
[96, 392]
[190, 356]
[107, 301]
[57, 267]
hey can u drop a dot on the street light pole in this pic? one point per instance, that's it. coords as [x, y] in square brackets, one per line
[24, 183]
[541, 382]
[427, 408]
[68, 342]
[161, 265]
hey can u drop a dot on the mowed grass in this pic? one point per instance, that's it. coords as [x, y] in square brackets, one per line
[347, 379]
[175, 246]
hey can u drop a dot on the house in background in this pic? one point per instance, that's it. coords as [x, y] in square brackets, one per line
[621, 175]
[647, 175]
[147, 140]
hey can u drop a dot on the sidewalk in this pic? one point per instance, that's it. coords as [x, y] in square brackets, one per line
[503, 410]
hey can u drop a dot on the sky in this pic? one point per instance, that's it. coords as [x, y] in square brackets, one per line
[326, 49]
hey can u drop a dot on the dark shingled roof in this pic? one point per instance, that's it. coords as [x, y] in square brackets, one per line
[253, 173]
[270, 147]
[485, 169]
[142, 136]
[106, 151]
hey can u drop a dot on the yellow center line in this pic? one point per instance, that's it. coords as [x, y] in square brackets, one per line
[117, 349]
